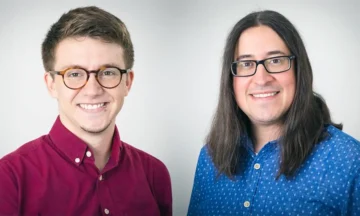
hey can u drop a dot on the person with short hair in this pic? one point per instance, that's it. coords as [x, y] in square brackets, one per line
[82, 167]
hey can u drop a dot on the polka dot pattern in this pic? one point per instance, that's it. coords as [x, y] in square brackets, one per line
[327, 183]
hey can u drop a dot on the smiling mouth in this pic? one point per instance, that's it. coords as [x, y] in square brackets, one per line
[92, 106]
[265, 95]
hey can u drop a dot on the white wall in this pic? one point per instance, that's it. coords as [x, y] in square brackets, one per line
[178, 48]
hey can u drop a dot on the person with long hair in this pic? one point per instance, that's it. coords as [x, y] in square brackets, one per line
[273, 148]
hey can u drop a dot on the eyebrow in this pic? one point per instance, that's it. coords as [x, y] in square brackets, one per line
[112, 65]
[79, 66]
[274, 52]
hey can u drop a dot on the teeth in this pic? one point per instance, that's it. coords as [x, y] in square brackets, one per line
[91, 106]
[264, 95]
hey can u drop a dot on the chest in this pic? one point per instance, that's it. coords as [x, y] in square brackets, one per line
[85, 191]
[257, 192]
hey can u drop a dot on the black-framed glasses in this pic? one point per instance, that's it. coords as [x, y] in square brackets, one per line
[77, 77]
[245, 68]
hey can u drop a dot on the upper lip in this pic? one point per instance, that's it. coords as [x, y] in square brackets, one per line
[263, 92]
[93, 103]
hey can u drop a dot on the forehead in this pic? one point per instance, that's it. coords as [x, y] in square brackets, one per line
[87, 52]
[258, 41]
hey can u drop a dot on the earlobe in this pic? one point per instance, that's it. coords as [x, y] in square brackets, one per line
[50, 84]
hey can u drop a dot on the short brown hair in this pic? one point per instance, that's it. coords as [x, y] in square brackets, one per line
[91, 22]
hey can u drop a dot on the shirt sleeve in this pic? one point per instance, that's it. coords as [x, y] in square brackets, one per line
[197, 194]
[163, 189]
[8, 190]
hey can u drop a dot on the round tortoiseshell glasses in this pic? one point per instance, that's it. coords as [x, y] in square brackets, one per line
[77, 77]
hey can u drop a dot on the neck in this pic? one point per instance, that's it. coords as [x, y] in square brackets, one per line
[262, 134]
[99, 143]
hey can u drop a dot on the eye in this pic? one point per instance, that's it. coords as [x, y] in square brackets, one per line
[74, 73]
[276, 61]
[110, 72]
[246, 64]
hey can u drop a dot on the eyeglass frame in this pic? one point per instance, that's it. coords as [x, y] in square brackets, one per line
[290, 57]
[96, 72]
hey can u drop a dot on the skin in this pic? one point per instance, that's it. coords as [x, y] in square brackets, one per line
[265, 113]
[95, 127]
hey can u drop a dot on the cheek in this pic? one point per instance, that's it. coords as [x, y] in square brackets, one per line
[117, 94]
[65, 95]
[117, 98]
[289, 85]
[240, 86]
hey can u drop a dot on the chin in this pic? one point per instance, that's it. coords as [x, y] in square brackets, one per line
[265, 120]
[95, 130]
[95, 126]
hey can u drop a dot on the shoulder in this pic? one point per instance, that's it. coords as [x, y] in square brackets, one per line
[204, 154]
[341, 142]
[147, 160]
[204, 160]
[25, 151]
[16, 163]
[156, 172]
[339, 150]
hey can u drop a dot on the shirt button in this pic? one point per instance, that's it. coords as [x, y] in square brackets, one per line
[257, 166]
[100, 178]
[246, 204]
[77, 160]
[106, 211]
[88, 153]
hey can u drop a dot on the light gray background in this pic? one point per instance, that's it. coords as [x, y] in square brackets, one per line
[178, 50]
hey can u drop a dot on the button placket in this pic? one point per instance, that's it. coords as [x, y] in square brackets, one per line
[255, 178]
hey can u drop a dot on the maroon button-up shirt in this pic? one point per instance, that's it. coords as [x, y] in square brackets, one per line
[55, 175]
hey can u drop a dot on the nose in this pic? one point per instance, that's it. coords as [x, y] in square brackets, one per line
[92, 86]
[262, 77]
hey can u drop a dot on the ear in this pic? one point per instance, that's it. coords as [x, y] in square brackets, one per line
[129, 81]
[50, 84]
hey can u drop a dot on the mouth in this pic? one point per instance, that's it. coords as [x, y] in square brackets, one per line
[93, 106]
[265, 95]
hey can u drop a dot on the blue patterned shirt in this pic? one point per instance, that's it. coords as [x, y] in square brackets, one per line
[327, 183]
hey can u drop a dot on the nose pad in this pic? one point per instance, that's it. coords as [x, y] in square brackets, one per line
[261, 67]
[262, 76]
[92, 78]
[92, 86]
[260, 70]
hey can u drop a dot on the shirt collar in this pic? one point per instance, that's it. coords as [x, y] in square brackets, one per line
[247, 143]
[76, 149]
